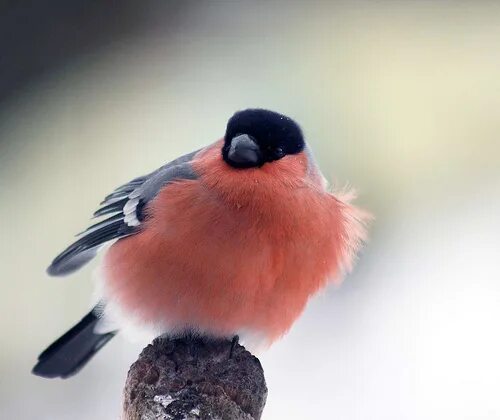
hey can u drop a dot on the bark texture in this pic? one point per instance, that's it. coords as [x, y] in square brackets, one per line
[194, 378]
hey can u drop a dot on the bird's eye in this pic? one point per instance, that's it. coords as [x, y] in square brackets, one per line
[279, 153]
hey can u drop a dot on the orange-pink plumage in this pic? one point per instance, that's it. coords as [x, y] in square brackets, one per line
[230, 240]
[233, 250]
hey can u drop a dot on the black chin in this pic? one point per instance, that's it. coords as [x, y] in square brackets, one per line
[244, 165]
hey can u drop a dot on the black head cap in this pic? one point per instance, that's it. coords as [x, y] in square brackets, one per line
[256, 136]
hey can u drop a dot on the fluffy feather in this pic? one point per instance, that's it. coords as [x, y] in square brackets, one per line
[234, 249]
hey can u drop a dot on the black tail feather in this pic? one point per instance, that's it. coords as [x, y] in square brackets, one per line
[69, 353]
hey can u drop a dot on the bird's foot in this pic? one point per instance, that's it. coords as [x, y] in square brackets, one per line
[234, 341]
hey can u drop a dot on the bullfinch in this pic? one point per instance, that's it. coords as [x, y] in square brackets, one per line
[229, 240]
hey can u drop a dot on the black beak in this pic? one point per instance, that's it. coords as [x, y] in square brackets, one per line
[244, 152]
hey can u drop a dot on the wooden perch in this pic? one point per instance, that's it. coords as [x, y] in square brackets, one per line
[194, 378]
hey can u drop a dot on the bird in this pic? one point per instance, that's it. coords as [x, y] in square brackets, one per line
[230, 240]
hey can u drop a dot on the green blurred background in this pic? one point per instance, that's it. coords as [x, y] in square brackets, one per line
[399, 99]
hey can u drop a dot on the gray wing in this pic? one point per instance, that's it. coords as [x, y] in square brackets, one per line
[125, 210]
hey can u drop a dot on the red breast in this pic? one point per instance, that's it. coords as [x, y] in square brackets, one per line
[234, 249]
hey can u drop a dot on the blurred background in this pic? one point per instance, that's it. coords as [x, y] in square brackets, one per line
[399, 98]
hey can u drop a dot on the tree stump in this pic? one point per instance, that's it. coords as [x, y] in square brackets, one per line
[194, 378]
